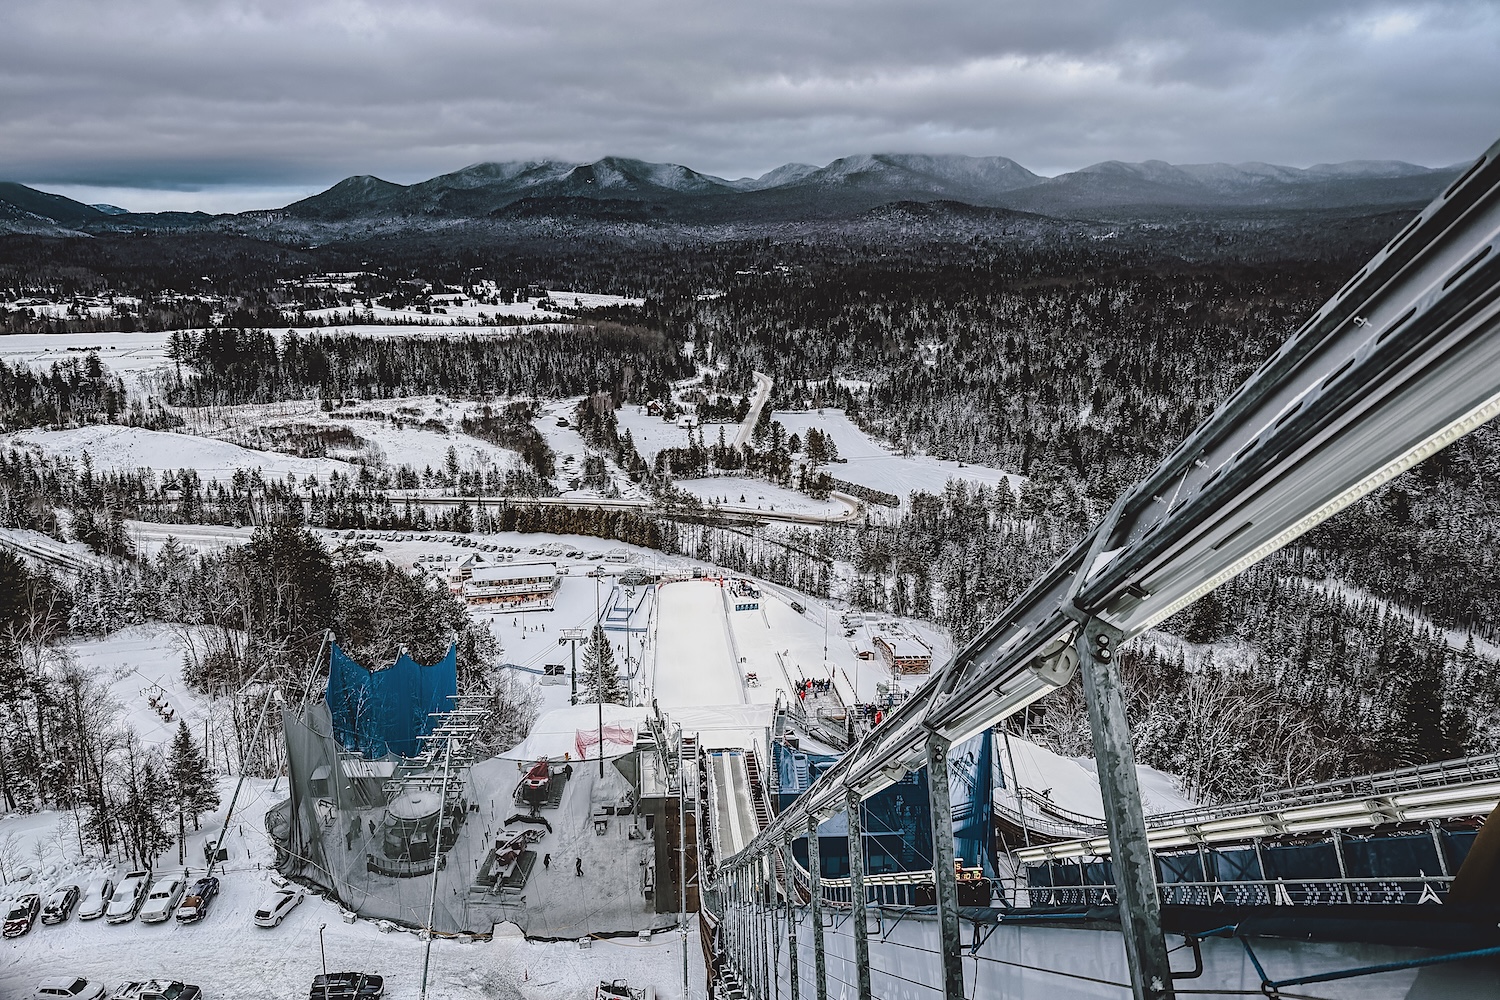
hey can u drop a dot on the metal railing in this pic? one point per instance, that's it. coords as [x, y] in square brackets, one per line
[1391, 890]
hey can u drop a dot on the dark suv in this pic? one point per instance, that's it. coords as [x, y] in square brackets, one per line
[347, 986]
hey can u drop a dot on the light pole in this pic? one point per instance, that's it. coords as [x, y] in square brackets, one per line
[324, 953]
[573, 636]
[682, 858]
[599, 674]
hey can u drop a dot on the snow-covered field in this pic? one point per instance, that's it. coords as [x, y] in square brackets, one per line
[137, 358]
[417, 432]
[865, 460]
[744, 493]
[652, 434]
[459, 310]
[124, 449]
[871, 463]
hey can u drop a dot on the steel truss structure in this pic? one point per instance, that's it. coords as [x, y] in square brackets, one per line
[1399, 363]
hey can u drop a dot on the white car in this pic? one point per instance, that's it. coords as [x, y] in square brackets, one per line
[69, 988]
[126, 901]
[275, 908]
[166, 893]
[96, 899]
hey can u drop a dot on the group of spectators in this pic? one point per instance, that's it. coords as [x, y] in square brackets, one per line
[813, 687]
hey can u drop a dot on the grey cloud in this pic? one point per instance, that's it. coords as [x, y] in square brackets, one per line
[177, 94]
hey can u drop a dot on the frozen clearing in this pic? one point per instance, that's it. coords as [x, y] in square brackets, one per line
[652, 434]
[125, 449]
[870, 463]
[743, 493]
[142, 662]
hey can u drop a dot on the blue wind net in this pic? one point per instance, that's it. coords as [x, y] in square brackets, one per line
[381, 712]
[897, 821]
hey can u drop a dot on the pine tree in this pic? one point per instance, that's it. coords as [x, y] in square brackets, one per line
[599, 676]
[192, 784]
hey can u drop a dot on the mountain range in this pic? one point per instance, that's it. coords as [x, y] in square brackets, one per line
[620, 188]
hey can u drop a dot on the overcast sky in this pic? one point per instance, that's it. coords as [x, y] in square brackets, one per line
[157, 104]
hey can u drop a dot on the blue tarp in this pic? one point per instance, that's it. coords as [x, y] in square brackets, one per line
[380, 712]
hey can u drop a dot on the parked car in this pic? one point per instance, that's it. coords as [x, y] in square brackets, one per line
[69, 988]
[347, 986]
[157, 989]
[195, 904]
[275, 908]
[166, 893]
[59, 905]
[22, 914]
[96, 899]
[126, 902]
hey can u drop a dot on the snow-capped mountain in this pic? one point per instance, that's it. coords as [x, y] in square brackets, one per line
[620, 188]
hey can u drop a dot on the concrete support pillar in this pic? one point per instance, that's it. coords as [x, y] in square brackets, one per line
[943, 873]
[794, 970]
[815, 876]
[857, 894]
[1130, 856]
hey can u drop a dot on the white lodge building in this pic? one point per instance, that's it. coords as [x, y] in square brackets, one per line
[523, 583]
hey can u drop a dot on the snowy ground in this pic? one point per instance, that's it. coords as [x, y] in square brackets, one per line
[124, 449]
[145, 662]
[744, 493]
[135, 357]
[555, 422]
[871, 463]
[1072, 784]
[228, 956]
[652, 434]
[218, 441]
[462, 309]
[140, 359]
[415, 430]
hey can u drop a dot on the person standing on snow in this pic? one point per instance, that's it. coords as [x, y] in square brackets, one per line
[578, 867]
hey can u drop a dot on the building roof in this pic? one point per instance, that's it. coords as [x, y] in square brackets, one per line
[508, 572]
[903, 646]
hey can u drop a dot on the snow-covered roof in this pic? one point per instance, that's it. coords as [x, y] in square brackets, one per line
[556, 732]
[519, 571]
[903, 646]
